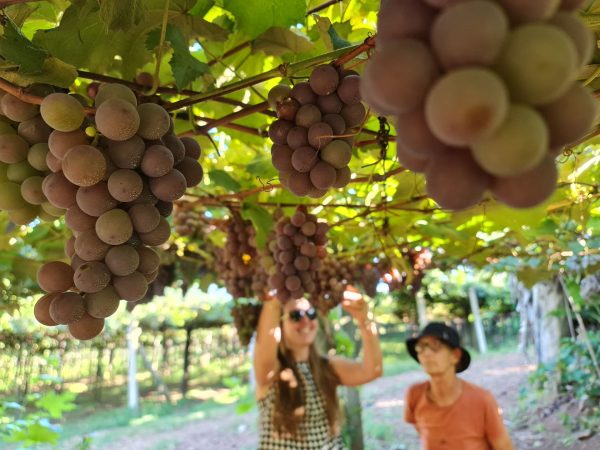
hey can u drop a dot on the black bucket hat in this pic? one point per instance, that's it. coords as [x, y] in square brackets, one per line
[445, 334]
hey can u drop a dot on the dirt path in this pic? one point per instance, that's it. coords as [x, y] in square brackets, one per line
[383, 402]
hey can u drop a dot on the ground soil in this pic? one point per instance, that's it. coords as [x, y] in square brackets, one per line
[504, 375]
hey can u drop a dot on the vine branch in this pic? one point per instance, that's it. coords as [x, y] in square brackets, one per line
[322, 6]
[230, 52]
[5, 3]
[283, 70]
[357, 50]
[21, 94]
[233, 116]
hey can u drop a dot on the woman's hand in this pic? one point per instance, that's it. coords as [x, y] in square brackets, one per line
[357, 372]
[355, 304]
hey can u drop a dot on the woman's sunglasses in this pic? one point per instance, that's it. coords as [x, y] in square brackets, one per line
[297, 314]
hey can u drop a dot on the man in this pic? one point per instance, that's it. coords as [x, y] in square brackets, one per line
[448, 412]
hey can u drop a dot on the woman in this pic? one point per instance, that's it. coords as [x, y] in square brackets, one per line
[295, 386]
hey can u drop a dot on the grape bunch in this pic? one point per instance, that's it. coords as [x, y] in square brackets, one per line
[369, 279]
[265, 268]
[23, 151]
[237, 262]
[483, 93]
[117, 192]
[312, 138]
[298, 249]
[186, 221]
[331, 281]
[245, 319]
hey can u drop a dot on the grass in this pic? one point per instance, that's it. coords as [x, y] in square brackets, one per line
[108, 426]
[156, 416]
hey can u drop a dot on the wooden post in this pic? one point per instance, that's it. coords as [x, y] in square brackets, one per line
[133, 393]
[99, 374]
[421, 309]
[186, 361]
[156, 378]
[352, 405]
[479, 331]
[354, 417]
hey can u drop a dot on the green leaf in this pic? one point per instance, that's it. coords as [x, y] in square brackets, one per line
[254, 17]
[34, 433]
[260, 218]
[336, 39]
[185, 67]
[277, 41]
[262, 167]
[80, 38]
[54, 72]
[322, 32]
[223, 179]
[121, 15]
[244, 406]
[16, 48]
[329, 35]
[56, 404]
[201, 7]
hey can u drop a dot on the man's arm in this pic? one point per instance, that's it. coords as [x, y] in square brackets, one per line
[502, 443]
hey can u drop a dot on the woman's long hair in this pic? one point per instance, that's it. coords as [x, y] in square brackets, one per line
[290, 401]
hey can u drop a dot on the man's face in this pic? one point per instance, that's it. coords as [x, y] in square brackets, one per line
[436, 357]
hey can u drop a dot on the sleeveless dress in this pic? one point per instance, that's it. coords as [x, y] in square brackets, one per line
[314, 429]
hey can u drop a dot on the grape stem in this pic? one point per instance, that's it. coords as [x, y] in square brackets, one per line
[354, 52]
[159, 50]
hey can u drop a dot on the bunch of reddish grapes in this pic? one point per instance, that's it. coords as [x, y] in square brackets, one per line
[265, 268]
[483, 93]
[117, 192]
[298, 249]
[185, 221]
[237, 262]
[369, 278]
[23, 152]
[312, 138]
[332, 279]
[245, 319]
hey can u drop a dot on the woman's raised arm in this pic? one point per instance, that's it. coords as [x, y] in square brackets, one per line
[357, 372]
[268, 335]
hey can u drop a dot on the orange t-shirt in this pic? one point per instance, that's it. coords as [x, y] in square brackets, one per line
[470, 423]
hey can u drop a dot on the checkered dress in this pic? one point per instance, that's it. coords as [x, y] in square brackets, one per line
[314, 429]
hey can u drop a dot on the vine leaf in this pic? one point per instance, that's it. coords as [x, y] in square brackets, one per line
[277, 41]
[329, 35]
[201, 7]
[221, 178]
[26, 63]
[260, 218]
[185, 67]
[81, 39]
[254, 17]
[16, 48]
[121, 15]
